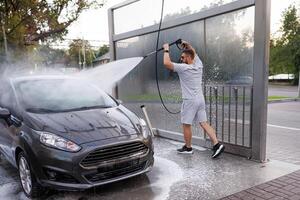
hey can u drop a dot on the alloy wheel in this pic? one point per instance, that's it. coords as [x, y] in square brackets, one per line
[25, 175]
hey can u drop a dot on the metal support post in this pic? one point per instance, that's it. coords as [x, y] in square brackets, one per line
[260, 81]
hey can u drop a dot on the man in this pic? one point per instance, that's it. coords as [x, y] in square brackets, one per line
[193, 105]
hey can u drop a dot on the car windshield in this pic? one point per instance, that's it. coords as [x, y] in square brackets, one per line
[61, 95]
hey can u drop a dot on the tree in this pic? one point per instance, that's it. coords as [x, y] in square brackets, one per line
[50, 56]
[28, 22]
[103, 50]
[80, 52]
[285, 51]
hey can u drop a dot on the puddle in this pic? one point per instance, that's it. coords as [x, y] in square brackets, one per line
[168, 174]
[12, 191]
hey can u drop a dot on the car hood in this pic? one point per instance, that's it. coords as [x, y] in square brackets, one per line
[86, 125]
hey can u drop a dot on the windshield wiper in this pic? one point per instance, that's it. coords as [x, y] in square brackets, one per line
[88, 107]
[41, 110]
[45, 110]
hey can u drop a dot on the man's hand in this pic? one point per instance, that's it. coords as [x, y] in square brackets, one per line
[185, 44]
[166, 46]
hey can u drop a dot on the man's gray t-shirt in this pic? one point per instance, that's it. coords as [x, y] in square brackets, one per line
[190, 77]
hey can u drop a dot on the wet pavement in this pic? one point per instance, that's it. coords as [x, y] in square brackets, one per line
[197, 176]
[174, 176]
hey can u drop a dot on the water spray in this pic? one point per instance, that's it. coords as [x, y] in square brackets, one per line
[178, 43]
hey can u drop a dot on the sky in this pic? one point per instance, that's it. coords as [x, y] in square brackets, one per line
[93, 24]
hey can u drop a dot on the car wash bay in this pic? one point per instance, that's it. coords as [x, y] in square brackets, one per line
[194, 176]
[228, 38]
[235, 108]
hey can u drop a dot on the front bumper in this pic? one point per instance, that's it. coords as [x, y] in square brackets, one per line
[63, 170]
[83, 186]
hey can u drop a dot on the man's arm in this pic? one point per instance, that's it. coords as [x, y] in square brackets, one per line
[167, 60]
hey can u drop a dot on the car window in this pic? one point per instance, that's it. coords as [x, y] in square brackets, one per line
[59, 95]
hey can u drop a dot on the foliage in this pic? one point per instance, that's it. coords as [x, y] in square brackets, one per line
[270, 98]
[50, 56]
[26, 23]
[103, 50]
[285, 51]
[80, 51]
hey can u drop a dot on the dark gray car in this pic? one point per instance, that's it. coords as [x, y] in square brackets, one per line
[66, 133]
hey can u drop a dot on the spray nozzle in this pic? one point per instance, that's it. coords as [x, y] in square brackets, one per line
[179, 41]
[179, 44]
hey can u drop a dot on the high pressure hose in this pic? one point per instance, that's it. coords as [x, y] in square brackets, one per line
[156, 63]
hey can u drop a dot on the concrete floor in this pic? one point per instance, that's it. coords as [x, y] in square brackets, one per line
[174, 176]
[194, 176]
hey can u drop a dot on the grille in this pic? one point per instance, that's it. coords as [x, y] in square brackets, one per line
[117, 170]
[111, 153]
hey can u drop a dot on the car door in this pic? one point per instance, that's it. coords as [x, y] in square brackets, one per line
[9, 127]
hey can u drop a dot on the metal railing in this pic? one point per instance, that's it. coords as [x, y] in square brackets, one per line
[229, 110]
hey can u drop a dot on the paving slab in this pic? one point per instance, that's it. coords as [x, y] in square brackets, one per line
[285, 187]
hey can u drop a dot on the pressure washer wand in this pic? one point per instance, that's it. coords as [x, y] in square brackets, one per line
[177, 42]
[143, 107]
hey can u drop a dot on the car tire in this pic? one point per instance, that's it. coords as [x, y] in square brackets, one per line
[30, 186]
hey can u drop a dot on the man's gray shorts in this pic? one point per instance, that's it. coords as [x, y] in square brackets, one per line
[193, 111]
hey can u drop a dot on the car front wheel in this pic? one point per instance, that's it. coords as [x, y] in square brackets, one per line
[29, 184]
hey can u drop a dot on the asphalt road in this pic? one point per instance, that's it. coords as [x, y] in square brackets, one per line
[283, 132]
[287, 91]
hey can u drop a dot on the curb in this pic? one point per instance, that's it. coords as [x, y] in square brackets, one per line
[284, 100]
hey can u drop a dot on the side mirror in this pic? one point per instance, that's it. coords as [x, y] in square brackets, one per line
[4, 113]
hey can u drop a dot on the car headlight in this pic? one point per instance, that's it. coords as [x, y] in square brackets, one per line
[145, 129]
[55, 141]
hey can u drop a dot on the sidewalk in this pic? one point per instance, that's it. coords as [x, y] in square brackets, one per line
[285, 187]
[282, 145]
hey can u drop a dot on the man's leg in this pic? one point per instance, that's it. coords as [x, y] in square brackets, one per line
[217, 148]
[210, 132]
[187, 132]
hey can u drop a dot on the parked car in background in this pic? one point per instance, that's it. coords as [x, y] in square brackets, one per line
[66, 133]
[241, 80]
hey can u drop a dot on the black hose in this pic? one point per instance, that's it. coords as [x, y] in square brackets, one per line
[156, 64]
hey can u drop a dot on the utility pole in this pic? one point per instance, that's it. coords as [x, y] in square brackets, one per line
[83, 52]
[299, 85]
[5, 40]
[79, 58]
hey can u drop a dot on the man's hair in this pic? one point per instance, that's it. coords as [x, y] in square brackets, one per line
[189, 52]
